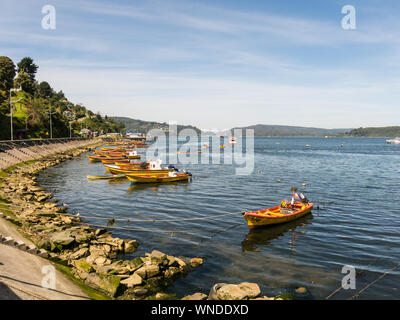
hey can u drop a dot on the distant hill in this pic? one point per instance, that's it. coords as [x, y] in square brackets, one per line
[141, 126]
[263, 130]
[384, 132]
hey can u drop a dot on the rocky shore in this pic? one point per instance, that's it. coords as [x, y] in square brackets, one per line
[93, 255]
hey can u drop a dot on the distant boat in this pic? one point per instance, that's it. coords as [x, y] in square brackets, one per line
[308, 146]
[393, 141]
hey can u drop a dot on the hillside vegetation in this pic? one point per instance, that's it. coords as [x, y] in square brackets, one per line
[33, 104]
[141, 126]
[383, 132]
[263, 130]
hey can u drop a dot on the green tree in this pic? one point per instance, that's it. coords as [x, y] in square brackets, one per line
[7, 74]
[27, 65]
[45, 90]
[25, 82]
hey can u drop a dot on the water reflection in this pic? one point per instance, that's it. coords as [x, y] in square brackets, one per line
[155, 186]
[263, 236]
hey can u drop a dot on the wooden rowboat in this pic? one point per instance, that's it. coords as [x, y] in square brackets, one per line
[135, 171]
[96, 158]
[112, 160]
[161, 178]
[276, 215]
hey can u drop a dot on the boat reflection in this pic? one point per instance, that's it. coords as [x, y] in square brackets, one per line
[155, 186]
[263, 236]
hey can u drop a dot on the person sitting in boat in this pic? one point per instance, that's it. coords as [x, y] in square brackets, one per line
[297, 199]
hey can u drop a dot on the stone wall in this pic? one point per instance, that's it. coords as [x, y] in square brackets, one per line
[12, 153]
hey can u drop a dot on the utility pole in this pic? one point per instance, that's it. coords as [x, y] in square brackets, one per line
[11, 113]
[51, 124]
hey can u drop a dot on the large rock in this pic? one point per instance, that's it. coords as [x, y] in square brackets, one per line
[148, 271]
[133, 280]
[107, 284]
[195, 262]
[62, 239]
[243, 291]
[252, 289]
[82, 265]
[130, 246]
[195, 296]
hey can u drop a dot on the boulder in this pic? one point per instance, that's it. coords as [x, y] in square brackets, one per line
[107, 284]
[231, 292]
[133, 280]
[252, 289]
[130, 246]
[242, 291]
[195, 296]
[195, 262]
[80, 253]
[61, 240]
[148, 271]
[82, 265]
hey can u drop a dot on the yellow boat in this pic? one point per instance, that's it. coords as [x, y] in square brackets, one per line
[162, 178]
[277, 215]
[117, 170]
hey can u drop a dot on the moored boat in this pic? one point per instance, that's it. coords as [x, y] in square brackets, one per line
[144, 168]
[298, 207]
[161, 178]
[393, 141]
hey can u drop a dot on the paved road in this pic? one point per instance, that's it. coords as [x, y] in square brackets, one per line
[21, 274]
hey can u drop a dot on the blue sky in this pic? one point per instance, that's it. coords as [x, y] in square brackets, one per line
[217, 64]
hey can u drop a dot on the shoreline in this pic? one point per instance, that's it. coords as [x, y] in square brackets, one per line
[92, 257]
[70, 243]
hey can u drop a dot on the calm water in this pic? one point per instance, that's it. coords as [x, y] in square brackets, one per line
[355, 186]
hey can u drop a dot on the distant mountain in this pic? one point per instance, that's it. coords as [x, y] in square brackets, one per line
[383, 132]
[141, 126]
[263, 130]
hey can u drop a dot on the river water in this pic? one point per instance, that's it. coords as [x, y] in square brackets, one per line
[354, 182]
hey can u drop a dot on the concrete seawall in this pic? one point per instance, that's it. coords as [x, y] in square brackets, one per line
[14, 152]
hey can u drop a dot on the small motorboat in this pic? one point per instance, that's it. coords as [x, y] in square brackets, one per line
[160, 178]
[287, 211]
[150, 168]
[393, 141]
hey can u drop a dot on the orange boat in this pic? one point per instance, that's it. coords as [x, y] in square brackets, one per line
[277, 215]
[159, 178]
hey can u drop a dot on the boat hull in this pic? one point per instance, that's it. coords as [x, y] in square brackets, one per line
[272, 216]
[156, 178]
[134, 171]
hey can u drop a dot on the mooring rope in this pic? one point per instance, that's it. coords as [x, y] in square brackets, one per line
[373, 282]
[138, 220]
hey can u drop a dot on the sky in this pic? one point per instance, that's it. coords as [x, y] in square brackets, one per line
[216, 64]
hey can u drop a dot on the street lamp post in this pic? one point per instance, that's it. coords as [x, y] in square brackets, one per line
[11, 112]
[51, 124]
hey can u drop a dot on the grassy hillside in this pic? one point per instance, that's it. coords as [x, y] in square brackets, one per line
[141, 126]
[263, 130]
[393, 131]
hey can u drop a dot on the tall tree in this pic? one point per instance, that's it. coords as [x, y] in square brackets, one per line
[25, 82]
[45, 90]
[7, 74]
[27, 65]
